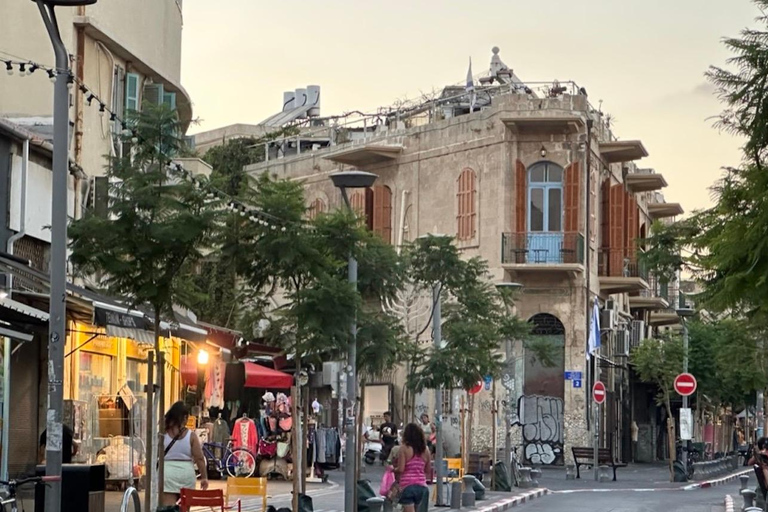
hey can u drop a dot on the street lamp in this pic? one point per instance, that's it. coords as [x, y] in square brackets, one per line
[510, 370]
[58, 261]
[344, 180]
[685, 313]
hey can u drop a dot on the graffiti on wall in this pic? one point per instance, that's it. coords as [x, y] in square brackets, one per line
[541, 418]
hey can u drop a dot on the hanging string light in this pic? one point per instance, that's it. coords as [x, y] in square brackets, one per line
[212, 194]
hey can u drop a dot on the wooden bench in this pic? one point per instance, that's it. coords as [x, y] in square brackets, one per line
[586, 456]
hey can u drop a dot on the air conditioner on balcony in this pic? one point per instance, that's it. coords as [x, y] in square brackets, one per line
[622, 343]
[608, 320]
[610, 304]
[637, 333]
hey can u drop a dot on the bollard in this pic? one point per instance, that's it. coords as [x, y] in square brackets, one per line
[375, 504]
[455, 495]
[525, 478]
[748, 495]
[753, 509]
[744, 481]
[604, 476]
[468, 496]
[570, 472]
[535, 475]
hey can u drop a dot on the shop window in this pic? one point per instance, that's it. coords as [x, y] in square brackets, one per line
[466, 196]
[95, 376]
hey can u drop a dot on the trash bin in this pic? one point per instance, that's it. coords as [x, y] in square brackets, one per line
[82, 488]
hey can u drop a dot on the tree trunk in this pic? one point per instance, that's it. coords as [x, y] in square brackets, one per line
[670, 437]
[161, 407]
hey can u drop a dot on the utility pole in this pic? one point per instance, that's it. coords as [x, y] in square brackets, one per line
[684, 454]
[57, 322]
[438, 335]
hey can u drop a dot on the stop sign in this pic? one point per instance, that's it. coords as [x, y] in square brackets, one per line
[685, 384]
[598, 392]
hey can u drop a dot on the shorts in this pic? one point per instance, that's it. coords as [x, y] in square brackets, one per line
[413, 494]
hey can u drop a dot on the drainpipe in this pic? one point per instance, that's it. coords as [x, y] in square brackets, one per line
[22, 207]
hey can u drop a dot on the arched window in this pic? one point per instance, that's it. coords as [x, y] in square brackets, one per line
[466, 195]
[316, 208]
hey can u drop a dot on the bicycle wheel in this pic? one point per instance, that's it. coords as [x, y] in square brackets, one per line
[240, 463]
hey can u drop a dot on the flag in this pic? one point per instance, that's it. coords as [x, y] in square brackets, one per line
[470, 87]
[594, 330]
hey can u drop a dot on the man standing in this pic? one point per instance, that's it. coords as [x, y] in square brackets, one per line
[388, 431]
[429, 432]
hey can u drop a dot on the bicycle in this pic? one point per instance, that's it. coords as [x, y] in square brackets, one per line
[236, 461]
[13, 485]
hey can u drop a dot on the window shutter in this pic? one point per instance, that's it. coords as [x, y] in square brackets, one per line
[169, 99]
[382, 212]
[154, 94]
[131, 91]
[605, 214]
[369, 208]
[520, 197]
[616, 254]
[466, 196]
[631, 230]
[572, 197]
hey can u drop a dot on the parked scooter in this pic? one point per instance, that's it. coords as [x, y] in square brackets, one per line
[371, 451]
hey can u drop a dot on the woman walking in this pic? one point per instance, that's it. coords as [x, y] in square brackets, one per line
[182, 453]
[413, 459]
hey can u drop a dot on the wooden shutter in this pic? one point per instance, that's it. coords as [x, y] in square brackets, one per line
[358, 202]
[631, 231]
[153, 93]
[369, 208]
[605, 214]
[466, 198]
[382, 212]
[521, 197]
[572, 190]
[616, 254]
[131, 91]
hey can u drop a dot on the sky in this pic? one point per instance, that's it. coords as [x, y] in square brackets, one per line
[644, 59]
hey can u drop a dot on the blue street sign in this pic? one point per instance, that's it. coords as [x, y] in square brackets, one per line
[488, 381]
[577, 383]
[568, 375]
[576, 375]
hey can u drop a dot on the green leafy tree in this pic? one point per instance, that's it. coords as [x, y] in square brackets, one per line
[658, 362]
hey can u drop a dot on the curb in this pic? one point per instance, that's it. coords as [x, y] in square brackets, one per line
[508, 503]
[728, 503]
[720, 481]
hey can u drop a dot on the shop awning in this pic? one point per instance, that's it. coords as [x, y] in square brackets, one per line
[123, 323]
[257, 376]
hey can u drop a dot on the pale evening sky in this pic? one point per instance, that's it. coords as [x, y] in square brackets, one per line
[644, 59]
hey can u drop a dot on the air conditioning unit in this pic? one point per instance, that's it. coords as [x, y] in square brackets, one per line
[608, 320]
[622, 343]
[637, 334]
[331, 370]
[610, 304]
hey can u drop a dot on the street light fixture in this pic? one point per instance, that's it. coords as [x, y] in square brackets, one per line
[58, 262]
[510, 368]
[344, 180]
[685, 312]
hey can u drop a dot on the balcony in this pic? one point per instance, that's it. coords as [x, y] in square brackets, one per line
[542, 251]
[620, 271]
[658, 297]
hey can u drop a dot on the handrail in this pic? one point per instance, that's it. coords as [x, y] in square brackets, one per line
[131, 491]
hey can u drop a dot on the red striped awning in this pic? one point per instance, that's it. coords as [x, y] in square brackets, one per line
[257, 376]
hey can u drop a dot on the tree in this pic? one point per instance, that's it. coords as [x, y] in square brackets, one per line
[658, 362]
[156, 225]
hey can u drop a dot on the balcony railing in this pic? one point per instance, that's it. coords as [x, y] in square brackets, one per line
[542, 248]
[621, 262]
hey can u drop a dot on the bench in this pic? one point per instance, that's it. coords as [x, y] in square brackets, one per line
[586, 456]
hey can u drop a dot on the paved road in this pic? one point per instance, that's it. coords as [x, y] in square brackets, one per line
[667, 500]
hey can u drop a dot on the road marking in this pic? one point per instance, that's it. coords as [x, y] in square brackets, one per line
[728, 503]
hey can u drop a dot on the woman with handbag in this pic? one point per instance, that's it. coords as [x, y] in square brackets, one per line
[413, 459]
[183, 452]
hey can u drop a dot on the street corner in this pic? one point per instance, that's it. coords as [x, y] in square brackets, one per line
[717, 481]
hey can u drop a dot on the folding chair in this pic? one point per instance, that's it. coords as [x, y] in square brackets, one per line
[213, 499]
[247, 487]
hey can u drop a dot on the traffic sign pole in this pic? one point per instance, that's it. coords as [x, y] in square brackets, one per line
[598, 397]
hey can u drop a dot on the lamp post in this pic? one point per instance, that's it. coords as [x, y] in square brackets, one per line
[344, 180]
[685, 313]
[509, 376]
[58, 262]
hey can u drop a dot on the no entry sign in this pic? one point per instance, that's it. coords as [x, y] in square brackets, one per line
[598, 392]
[685, 384]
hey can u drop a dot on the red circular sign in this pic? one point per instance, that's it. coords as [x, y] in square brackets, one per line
[476, 388]
[598, 392]
[685, 384]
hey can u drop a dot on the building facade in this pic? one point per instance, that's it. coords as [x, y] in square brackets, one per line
[531, 179]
